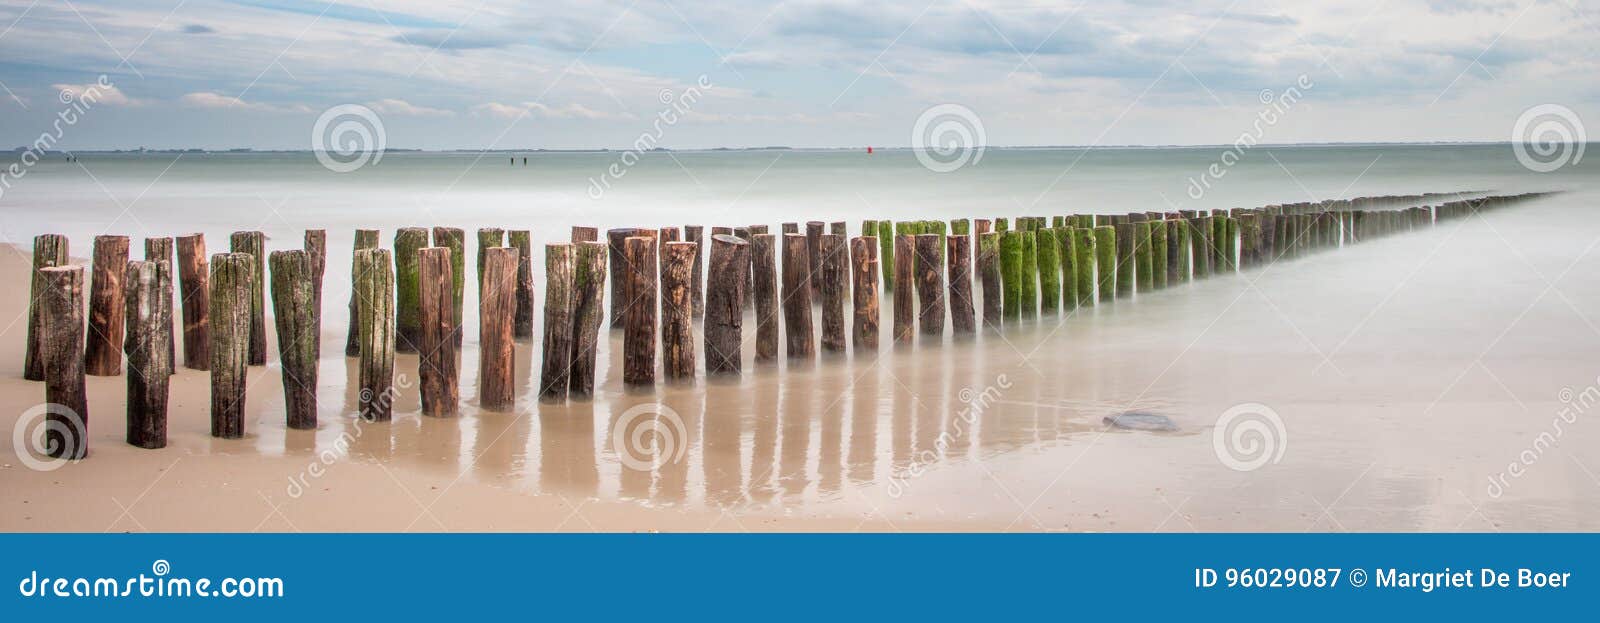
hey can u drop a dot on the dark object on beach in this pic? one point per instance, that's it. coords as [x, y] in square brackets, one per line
[61, 352]
[49, 250]
[764, 280]
[297, 331]
[724, 322]
[639, 319]
[797, 296]
[232, 285]
[522, 241]
[832, 254]
[864, 264]
[677, 311]
[408, 241]
[365, 239]
[103, 352]
[588, 285]
[1140, 420]
[556, 367]
[496, 309]
[375, 287]
[255, 244]
[436, 348]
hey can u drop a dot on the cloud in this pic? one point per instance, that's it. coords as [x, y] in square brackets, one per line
[218, 101]
[198, 29]
[537, 109]
[97, 94]
[407, 109]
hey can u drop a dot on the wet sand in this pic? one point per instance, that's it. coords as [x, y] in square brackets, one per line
[1407, 372]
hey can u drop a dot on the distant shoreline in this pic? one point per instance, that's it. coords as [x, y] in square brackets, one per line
[533, 151]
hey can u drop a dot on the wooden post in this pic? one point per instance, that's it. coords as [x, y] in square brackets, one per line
[194, 292]
[292, 300]
[958, 258]
[522, 241]
[980, 227]
[1201, 242]
[1083, 264]
[454, 239]
[375, 287]
[1105, 260]
[677, 311]
[1048, 251]
[49, 250]
[255, 244]
[797, 296]
[316, 246]
[617, 239]
[864, 291]
[584, 234]
[436, 346]
[158, 249]
[61, 325]
[697, 297]
[1127, 257]
[365, 239]
[989, 277]
[764, 266]
[886, 238]
[408, 241]
[589, 284]
[103, 355]
[832, 260]
[930, 285]
[639, 320]
[1144, 255]
[1158, 253]
[813, 258]
[724, 320]
[491, 238]
[149, 324]
[1011, 275]
[232, 288]
[559, 278]
[496, 310]
[905, 264]
[1030, 268]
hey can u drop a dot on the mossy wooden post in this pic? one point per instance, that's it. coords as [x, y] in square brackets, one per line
[983, 226]
[639, 320]
[764, 265]
[1049, 261]
[1127, 258]
[488, 238]
[61, 327]
[864, 292]
[1105, 260]
[364, 239]
[232, 288]
[155, 250]
[292, 299]
[1158, 252]
[1219, 243]
[589, 284]
[724, 323]
[1173, 251]
[814, 230]
[930, 285]
[677, 312]
[618, 253]
[194, 294]
[958, 268]
[555, 370]
[1067, 263]
[148, 309]
[1202, 245]
[1011, 275]
[255, 243]
[1001, 226]
[1030, 267]
[316, 247]
[436, 348]
[989, 281]
[697, 280]
[1083, 261]
[1230, 243]
[886, 234]
[1144, 255]
[800, 344]
[408, 241]
[454, 239]
[522, 241]
[103, 351]
[1249, 233]
[832, 264]
[48, 250]
[375, 287]
[496, 309]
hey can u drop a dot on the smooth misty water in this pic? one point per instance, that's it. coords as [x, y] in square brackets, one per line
[1408, 371]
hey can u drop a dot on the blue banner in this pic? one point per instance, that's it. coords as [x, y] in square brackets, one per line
[816, 577]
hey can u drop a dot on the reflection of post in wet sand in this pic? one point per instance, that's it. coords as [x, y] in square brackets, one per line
[566, 449]
[795, 410]
[675, 443]
[764, 439]
[720, 450]
[863, 427]
[837, 391]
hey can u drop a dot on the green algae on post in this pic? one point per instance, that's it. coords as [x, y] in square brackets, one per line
[1083, 247]
[1105, 244]
[1030, 273]
[1011, 274]
[1049, 267]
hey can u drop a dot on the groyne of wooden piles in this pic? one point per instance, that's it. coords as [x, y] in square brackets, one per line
[408, 298]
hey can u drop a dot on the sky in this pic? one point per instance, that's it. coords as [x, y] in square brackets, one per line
[557, 74]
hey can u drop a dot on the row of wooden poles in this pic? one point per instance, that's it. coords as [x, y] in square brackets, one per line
[409, 299]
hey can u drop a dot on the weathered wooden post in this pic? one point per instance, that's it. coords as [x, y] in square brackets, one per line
[930, 285]
[436, 346]
[490, 238]
[255, 244]
[958, 258]
[1158, 253]
[49, 250]
[697, 297]
[617, 241]
[886, 237]
[905, 262]
[582, 233]
[589, 281]
[1105, 246]
[292, 299]
[1011, 276]
[149, 324]
[157, 249]
[989, 277]
[1144, 255]
[813, 258]
[454, 239]
[364, 239]
[194, 293]
[1127, 260]
[375, 287]
[496, 310]
[797, 296]
[639, 319]
[1049, 265]
[1083, 249]
[1201, 245]
[864, 292]
[832, 261]
[724, 320]
[764, 265]
[316, 246]
[408, 241]
[677, 311]
[103, 353]
[745, 233]
[555, 370]
[61, 352]
[232, 288]
[522, 325]
[1030, 267]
